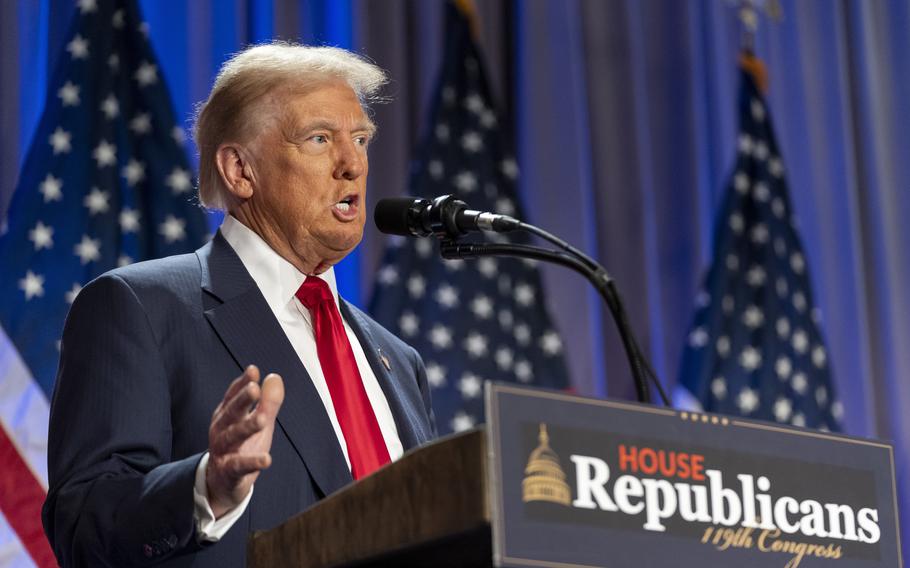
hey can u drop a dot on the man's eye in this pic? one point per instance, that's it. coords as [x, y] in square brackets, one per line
[361, 140]
[320, 138]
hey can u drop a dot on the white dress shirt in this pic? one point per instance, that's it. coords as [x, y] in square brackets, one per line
[278, 280]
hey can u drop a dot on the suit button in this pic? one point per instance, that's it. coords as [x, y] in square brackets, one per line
[147, 550]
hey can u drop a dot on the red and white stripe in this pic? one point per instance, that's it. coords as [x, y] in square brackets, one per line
[24, 413]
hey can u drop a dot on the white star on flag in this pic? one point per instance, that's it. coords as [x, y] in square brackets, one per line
[409, 323]
[504, 358]
[416, 286]
[70, 296]
[747, 400]
[51, 188]
[87, 6]
[129, 220]
[750, 358]
[719, 388]
[173, 229]
[783, 408]
[482, 307]
[69, 94]
[465, 181]
[472, 142]
[523, 371]
[60, 140]
[550, 343]
[447, 296]
[462, 421]
[509, 168]
[387, 275]
[179, 181]
[42, 236]
[32, 285]
[524, 294]
[105, 154]
[470, 385]
[110, 107]
[78, 47]
[141, 123]
[476, 345]
[147, 74]
[178, 134]
[440, 336]
[96, 201]
[134, 172]
[88, 249]
[436, 375]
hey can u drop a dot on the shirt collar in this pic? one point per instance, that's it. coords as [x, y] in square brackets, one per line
[278, 279]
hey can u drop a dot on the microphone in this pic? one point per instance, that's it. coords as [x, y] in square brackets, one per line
[444, 216]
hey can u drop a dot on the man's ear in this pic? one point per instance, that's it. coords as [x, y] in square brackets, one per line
[235, 170]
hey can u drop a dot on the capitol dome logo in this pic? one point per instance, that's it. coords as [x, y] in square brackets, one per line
[544, 478]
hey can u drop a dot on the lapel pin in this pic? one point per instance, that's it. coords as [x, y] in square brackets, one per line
[385, 360]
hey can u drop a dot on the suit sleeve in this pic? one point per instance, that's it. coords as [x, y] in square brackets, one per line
[115, 498]
[420, 371]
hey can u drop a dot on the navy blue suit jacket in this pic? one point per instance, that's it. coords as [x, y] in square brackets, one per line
[148, 351]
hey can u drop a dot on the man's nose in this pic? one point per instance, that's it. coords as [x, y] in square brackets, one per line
[350, 162]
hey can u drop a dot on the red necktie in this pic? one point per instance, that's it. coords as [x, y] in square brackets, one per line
[366, 446]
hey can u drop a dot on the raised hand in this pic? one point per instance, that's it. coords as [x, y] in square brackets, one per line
[240, 437]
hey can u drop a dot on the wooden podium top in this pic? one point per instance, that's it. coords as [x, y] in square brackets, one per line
[428, 508]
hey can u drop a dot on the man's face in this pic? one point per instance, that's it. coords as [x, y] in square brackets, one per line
[310, 171]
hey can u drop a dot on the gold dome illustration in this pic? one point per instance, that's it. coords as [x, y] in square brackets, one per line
[544, 479]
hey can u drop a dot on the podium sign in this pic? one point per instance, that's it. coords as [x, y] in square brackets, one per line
[581, 482]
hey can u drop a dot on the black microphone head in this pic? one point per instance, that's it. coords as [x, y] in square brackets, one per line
[396, 215]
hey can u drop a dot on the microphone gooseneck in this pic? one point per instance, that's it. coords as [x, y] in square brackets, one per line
[449, 219]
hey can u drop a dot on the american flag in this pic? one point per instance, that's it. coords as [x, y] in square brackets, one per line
[106, 182]
[755, 348]
[480, 319]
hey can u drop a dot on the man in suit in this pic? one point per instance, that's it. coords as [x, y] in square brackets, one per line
[160, 454]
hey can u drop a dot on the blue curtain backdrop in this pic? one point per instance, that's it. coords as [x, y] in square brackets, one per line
[624, 113]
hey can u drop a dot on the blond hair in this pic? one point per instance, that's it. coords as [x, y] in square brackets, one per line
[232, 112]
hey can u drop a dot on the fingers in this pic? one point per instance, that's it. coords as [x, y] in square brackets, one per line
[231, 438]
[235, 466]
[236, 408]
[271, 397]
[250, 374]
[235, 421]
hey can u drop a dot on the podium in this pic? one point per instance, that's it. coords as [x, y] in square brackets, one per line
[555, 480]
[429, 508]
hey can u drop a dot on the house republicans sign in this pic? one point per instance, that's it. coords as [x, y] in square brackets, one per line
[582, 482]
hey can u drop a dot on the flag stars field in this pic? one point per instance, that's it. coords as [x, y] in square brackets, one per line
[483, 318]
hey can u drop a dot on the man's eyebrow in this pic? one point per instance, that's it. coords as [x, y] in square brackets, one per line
[324, 124]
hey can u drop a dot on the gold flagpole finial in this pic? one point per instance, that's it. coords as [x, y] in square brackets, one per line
[469, 9]
[748, 12]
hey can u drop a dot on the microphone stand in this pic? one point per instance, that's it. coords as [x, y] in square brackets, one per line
[576, 260]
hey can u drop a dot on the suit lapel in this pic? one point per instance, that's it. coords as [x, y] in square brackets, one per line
[249, 330]
[391, 386]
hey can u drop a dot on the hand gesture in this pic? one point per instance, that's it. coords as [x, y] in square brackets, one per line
[240, 437]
